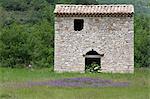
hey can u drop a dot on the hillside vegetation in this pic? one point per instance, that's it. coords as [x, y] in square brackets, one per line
[27, 31]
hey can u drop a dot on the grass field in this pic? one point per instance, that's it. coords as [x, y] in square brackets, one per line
[139, 87]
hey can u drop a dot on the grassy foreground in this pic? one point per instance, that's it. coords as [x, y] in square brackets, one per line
[139, 87]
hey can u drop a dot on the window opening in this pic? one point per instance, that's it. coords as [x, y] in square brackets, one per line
[78, 24]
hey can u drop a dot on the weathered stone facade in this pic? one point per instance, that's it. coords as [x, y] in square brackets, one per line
[111, 36]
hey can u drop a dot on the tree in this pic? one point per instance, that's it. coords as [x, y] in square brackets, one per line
[22, 45]
[86, 2]
[142, 41]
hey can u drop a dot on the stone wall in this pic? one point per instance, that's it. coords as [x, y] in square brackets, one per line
[111, 36]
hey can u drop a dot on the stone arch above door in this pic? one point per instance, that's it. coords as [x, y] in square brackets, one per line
[95, 49]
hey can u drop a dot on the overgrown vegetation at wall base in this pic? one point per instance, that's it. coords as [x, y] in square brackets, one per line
[27, 31]
[93, 68]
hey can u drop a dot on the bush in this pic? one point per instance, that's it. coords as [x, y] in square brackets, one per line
[93, 68]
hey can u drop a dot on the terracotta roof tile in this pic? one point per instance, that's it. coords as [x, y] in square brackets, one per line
[93, 9]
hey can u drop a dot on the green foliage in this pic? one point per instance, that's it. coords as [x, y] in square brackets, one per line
[65, 1]
[13, 50]
[93, 68]
[15, 5]
[85, 2]
[22, 45]
[142, 41]
[26, 11]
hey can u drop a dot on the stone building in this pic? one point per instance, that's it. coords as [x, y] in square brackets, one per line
[94, 33]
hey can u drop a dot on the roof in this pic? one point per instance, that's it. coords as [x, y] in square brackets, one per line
[93, 10]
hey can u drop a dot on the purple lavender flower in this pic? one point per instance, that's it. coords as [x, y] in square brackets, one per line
[76, 82]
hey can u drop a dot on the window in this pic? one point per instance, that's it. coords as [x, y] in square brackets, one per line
[78, 24]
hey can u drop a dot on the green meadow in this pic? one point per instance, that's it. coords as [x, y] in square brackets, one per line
[139, 87]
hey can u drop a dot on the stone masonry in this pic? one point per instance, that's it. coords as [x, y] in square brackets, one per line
[112, 36]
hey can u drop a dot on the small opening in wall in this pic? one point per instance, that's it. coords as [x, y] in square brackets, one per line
[92, 61]
[78, 24]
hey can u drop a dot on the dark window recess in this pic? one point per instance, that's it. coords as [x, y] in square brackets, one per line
[78, 24]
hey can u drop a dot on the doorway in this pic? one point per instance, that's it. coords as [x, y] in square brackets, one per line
[92, 57]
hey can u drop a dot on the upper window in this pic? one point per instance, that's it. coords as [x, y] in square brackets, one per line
[78, 24]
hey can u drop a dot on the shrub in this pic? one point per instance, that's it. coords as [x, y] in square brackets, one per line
[93, 68]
